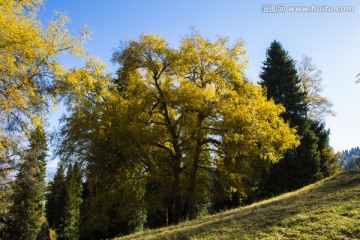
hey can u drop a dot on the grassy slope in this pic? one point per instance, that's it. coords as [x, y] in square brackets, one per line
[329, 209]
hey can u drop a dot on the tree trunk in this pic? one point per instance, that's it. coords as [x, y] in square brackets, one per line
[195, 166]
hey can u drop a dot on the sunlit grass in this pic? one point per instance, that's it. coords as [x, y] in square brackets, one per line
[329, 209]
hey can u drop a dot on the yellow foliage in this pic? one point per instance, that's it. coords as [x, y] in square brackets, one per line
[28, 61]
[31, 75]
[204, 78]
[52, 234]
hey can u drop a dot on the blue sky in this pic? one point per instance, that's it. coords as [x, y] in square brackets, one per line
[331, 39]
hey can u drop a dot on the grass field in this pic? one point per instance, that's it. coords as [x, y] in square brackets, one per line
[329, 209]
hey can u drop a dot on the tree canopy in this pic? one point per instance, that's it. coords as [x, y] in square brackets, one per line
[31, 74]
[318, 106]
[170, 119]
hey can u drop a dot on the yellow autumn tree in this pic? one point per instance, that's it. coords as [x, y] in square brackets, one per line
[172, 121]
[31, 76]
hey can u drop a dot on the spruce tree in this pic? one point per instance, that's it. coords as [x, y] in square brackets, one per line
[299, 166]
[56, 201]
[73, 200]
[29, 190]
[282, 84]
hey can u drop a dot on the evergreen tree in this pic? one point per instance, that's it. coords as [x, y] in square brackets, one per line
[29, 190]
[282, 84]
[56, 201]
[300, 166]
[73, 200]
[328, 159]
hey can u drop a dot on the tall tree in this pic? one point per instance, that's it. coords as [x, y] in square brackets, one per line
[169, 121]
[280, 80]
[318, 108]
[29, 190]
[311, 82]
[192, 95]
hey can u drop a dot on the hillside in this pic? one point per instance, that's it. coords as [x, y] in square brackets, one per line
[329, 209]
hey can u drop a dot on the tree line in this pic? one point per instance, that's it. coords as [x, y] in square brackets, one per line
[178, 132]
[350, 159]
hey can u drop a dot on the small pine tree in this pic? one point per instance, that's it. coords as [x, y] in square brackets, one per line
[29, 190]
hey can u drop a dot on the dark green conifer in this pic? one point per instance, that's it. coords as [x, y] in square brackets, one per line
[282, 84]
[300, 166]
[56, 201]
[29, 190]
[73, 200]
[329, 164]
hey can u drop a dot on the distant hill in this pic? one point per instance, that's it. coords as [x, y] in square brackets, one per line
[329, 209]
